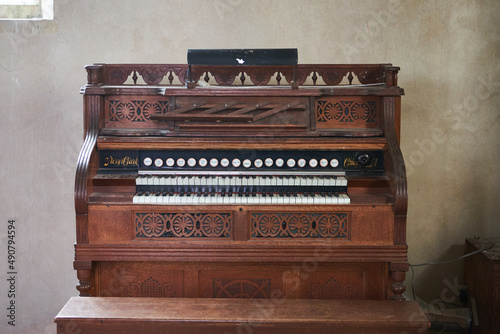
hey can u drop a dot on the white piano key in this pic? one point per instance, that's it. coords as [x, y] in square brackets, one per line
[279, 181]
[346, 199]
[270, 181]
[233, 199]
[203, 181]
[316, 199]
[308, 181]
[310, 199]
[145, 199]
[197, 181]
[152, 198]
[303, 181]
[244, 181]
[238, 180]
[157, 180]
[164, 198]
[136, 198]
[201, 199]
[238, 199]
[343, 180]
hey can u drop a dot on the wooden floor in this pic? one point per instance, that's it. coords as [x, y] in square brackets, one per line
[192, 315]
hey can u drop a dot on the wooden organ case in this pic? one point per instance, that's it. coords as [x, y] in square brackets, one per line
[272, 181]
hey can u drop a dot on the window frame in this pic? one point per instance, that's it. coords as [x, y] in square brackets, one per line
[44, 10]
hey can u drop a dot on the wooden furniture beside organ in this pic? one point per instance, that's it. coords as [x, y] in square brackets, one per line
[260, 182]
[482, 277]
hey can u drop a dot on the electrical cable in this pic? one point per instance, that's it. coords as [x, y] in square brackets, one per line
[440, 325]
[490, 246]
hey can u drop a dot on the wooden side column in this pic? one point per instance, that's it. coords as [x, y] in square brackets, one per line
[398, 271]
[84, 274]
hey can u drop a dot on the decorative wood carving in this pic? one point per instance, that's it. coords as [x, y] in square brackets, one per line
[397, 286]
[175, 74]
[301, 225]
[347, 112]
[182, 225]
[242, 288]
[151, 74]
[134, 111]
[332, 289]
[84, 282]
[151, 287]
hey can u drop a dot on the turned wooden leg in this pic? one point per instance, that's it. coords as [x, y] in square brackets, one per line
[83, 272]
[397, 286]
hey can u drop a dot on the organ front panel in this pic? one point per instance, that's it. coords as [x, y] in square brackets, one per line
[241, 181]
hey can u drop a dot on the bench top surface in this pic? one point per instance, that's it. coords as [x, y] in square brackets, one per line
[241, 310]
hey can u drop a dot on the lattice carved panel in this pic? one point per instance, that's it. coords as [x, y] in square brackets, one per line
[134, 111]
[301, 225]
[182, 225]
[347, 112]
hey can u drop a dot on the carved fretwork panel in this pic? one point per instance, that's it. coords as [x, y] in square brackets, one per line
[182, 225]
[134, 111]
[301, 225]
[139, 279]
[347, 112]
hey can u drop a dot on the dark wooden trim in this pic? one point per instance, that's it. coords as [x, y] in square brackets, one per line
[91, 125]
[235, 251]
[395, 168]
[292, 76]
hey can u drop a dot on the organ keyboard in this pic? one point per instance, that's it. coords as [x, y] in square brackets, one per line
[287, 184]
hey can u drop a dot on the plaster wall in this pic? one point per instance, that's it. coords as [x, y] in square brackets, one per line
[448, 52]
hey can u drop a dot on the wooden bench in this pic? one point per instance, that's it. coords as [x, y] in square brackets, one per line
[223, 316]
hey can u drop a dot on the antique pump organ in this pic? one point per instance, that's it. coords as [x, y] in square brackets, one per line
[267, 179]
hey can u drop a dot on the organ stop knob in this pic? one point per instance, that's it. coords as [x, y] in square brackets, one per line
[363, 159]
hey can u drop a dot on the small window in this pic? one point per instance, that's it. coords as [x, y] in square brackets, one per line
[26, 9]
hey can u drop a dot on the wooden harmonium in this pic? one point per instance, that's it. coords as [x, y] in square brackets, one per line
[213, 189]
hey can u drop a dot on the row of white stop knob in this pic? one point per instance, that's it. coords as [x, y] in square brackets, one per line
[247, 163]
